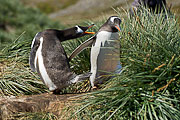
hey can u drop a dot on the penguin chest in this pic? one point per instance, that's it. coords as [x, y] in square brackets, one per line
[105, 52]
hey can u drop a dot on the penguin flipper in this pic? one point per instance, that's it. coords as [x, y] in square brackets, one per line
[82, 47]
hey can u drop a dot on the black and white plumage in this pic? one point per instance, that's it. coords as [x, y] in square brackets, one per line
[104, 50]
[49, 59]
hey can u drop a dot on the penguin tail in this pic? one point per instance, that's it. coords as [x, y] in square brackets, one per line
[81, 77]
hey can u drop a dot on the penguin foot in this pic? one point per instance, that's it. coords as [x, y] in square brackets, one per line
[51, 93]
[57, 92]
[94, 88]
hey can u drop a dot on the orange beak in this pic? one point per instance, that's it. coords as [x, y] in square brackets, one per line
[90, 32]
[91, 26]
[118, 27]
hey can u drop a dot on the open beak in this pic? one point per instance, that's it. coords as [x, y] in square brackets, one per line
[117, 27]
[89, 28]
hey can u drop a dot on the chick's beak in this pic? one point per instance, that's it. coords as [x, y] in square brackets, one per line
[89, 28]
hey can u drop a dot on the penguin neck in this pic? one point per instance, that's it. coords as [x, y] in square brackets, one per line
[108, 28]
[66, 34]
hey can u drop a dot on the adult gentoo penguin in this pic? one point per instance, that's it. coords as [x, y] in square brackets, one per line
[105, 49]
[49, 59]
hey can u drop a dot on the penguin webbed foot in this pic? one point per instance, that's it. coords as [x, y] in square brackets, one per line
[94, 88]
[58, 92]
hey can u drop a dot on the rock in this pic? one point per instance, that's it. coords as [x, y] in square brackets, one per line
[34, 103]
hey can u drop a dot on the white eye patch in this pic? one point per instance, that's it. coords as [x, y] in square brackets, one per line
[79, 30]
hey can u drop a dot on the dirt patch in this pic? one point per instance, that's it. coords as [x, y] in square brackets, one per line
[35, 103]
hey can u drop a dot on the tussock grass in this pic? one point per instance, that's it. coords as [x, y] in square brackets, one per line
[16, 76]
[148, 86]
[17, 79]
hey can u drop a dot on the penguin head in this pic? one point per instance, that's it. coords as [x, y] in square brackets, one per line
[114, 22]
[79, 31]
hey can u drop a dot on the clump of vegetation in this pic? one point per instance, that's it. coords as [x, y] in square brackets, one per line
[148, 86]
[17, 79]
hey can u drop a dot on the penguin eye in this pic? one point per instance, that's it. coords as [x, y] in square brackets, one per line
[78, 29]
[117, 21]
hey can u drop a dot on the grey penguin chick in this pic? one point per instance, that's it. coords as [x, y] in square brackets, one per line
[49, 58]
[105, 49]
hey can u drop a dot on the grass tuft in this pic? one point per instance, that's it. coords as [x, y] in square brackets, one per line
[148, 85]
[17, 79]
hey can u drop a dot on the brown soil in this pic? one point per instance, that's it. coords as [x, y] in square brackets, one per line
[46, 102]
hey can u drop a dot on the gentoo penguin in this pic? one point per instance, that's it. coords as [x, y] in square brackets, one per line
[49, 59]
[105, 49]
